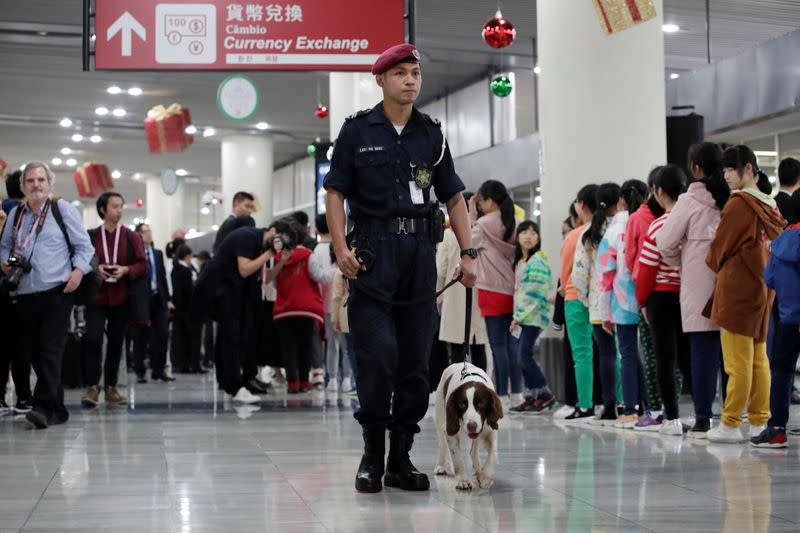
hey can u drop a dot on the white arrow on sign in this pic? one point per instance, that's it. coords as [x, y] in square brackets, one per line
[127, 24]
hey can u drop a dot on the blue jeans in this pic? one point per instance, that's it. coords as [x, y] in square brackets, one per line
[783, 359]
[504, 352]
[531, 373]
[608, 364]
[706, 354]
[633, 384]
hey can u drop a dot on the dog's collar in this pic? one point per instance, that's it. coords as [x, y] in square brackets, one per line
[465, 375]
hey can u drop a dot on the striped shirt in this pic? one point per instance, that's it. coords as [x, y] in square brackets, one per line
[655, 274]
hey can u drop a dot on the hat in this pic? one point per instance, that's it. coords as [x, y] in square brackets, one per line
[401, 53]
[203, 255]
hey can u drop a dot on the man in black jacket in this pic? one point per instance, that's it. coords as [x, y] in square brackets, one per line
[244, 205]
[185, 332]
[156, 336]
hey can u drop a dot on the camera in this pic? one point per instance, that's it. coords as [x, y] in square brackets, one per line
[19, 267]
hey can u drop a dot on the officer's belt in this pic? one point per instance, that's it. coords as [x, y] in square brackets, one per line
[397, 225]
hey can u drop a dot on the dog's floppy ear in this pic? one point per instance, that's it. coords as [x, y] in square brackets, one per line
[452, 416]
[495, 410]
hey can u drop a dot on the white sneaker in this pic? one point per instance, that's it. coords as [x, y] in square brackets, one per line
[563, 412]
[672, 427]
[725, 433]
[317, 376]
[347, 386]
[516, 399]
[333, 385]
[755, 431]
[245, 396]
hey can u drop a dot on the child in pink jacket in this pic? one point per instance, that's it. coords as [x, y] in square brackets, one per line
[684, 241]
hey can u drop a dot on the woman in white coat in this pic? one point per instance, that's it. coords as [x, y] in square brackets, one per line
[454, 305]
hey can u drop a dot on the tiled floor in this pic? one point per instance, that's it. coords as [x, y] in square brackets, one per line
[180, 459]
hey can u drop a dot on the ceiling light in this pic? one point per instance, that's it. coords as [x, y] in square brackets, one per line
[670, 28]
[215, 227]
[77, 138]
[205, 211]
[66, 151]
[209, 132]
[42, 33]
[772, 179]
[102, 111]
[674, 76]
[765, 153]
[116, 174]
[95, 139]
[135, 91]
[538, 199]
[191, 130]
[262, 126]
[181, 172]
[118, 112]
[93, 37]
[56, 161]
[71, 162]
[537, 69]
[65, 123]
[537, 213]
[114, 90]
[136, 177]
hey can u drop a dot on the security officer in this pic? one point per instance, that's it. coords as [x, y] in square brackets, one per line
[385, 162]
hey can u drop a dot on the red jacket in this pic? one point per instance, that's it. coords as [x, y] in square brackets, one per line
[298, 294]
[113, 294]
[635, 234]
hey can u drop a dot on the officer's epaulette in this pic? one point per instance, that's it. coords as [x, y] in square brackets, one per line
[358, 114]
[434, 121]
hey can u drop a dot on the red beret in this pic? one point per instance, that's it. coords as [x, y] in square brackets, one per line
[401, 53]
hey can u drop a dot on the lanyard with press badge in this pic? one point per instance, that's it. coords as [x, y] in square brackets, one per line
[36, 228]
[105, 244]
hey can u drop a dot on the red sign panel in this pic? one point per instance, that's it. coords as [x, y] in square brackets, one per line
[245, 34]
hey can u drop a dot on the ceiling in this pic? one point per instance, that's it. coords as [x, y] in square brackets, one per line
[43, 81]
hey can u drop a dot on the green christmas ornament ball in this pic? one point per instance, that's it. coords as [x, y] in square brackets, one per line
[311, 149]
[501, 86]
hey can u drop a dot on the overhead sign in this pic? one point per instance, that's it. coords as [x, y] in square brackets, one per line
[245, 34]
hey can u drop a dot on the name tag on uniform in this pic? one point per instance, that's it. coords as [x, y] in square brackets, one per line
[416, 193]
[365, 149]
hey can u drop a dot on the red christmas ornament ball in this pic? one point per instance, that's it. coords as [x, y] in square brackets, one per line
[321, 112]
[498, 32]
[139, 203]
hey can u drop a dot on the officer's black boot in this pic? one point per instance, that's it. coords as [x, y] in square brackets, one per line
[370, 471]
[400, 472]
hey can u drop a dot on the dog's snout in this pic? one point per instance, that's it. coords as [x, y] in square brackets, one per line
[472, 427]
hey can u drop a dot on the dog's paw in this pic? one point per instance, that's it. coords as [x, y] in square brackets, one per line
[484, 481]
[464, 484]
[440, 470]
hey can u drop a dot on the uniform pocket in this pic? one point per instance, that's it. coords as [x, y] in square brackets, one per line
[371, 159]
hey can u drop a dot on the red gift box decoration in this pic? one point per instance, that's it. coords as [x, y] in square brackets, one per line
[165, 129]
[618, 15]
[91, 179]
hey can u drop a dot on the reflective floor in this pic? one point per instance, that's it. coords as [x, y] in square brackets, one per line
[181, 459]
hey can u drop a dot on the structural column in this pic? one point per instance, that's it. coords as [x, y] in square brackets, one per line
[165, 212]
[601, 102]
[247, 165]
[350, 92]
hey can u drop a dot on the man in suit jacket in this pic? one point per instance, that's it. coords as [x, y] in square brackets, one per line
[154, 339]
[244, 205]
[185, 332]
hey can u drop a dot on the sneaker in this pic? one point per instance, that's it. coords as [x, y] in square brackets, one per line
[92, 397]
[23, 406]
[114, 397]
[543, 404]
[700, 429]
[347, 385]
[293, 386]
[333, 385]
[649, 423]
[626, 421]
[770, 437]
[37, 418]
[563, 412]
[4, 408]
[255, 387]
[317, 377]
[606, 418]
[672, 427]
[725, 433]
[524, 406]
[245, 396]
[516, 399]
[755, 431]
[580, 415]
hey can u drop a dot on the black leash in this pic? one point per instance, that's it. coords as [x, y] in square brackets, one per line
[467, 325]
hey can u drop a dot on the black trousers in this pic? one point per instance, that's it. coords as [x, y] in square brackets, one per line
[151, 341]
[111, 321]
[43, 323]
[185, 343]
[671, 345]
[234, 320]
[392, 343]
[11, 356]
[268, 347]
[296, 336]
[477, 353]
[208, 342]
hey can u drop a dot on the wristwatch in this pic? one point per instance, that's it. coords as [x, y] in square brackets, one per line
[472, 252]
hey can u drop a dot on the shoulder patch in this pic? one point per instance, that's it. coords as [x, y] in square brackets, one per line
[358, 114]
[434, 121]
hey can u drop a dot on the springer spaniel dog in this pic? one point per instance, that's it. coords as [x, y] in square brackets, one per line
[467, 408]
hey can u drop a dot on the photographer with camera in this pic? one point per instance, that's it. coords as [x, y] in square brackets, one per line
[44, 270]
[298, 306]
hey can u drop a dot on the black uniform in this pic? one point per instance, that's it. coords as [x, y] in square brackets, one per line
[387, 179]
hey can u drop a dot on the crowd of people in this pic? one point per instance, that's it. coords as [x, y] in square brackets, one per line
[664, 285]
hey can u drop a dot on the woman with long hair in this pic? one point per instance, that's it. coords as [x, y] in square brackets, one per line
[493, 235]
[587, 279]
[685, 240]
[533, 306]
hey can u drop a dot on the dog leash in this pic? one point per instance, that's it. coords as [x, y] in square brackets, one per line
[467, 324]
